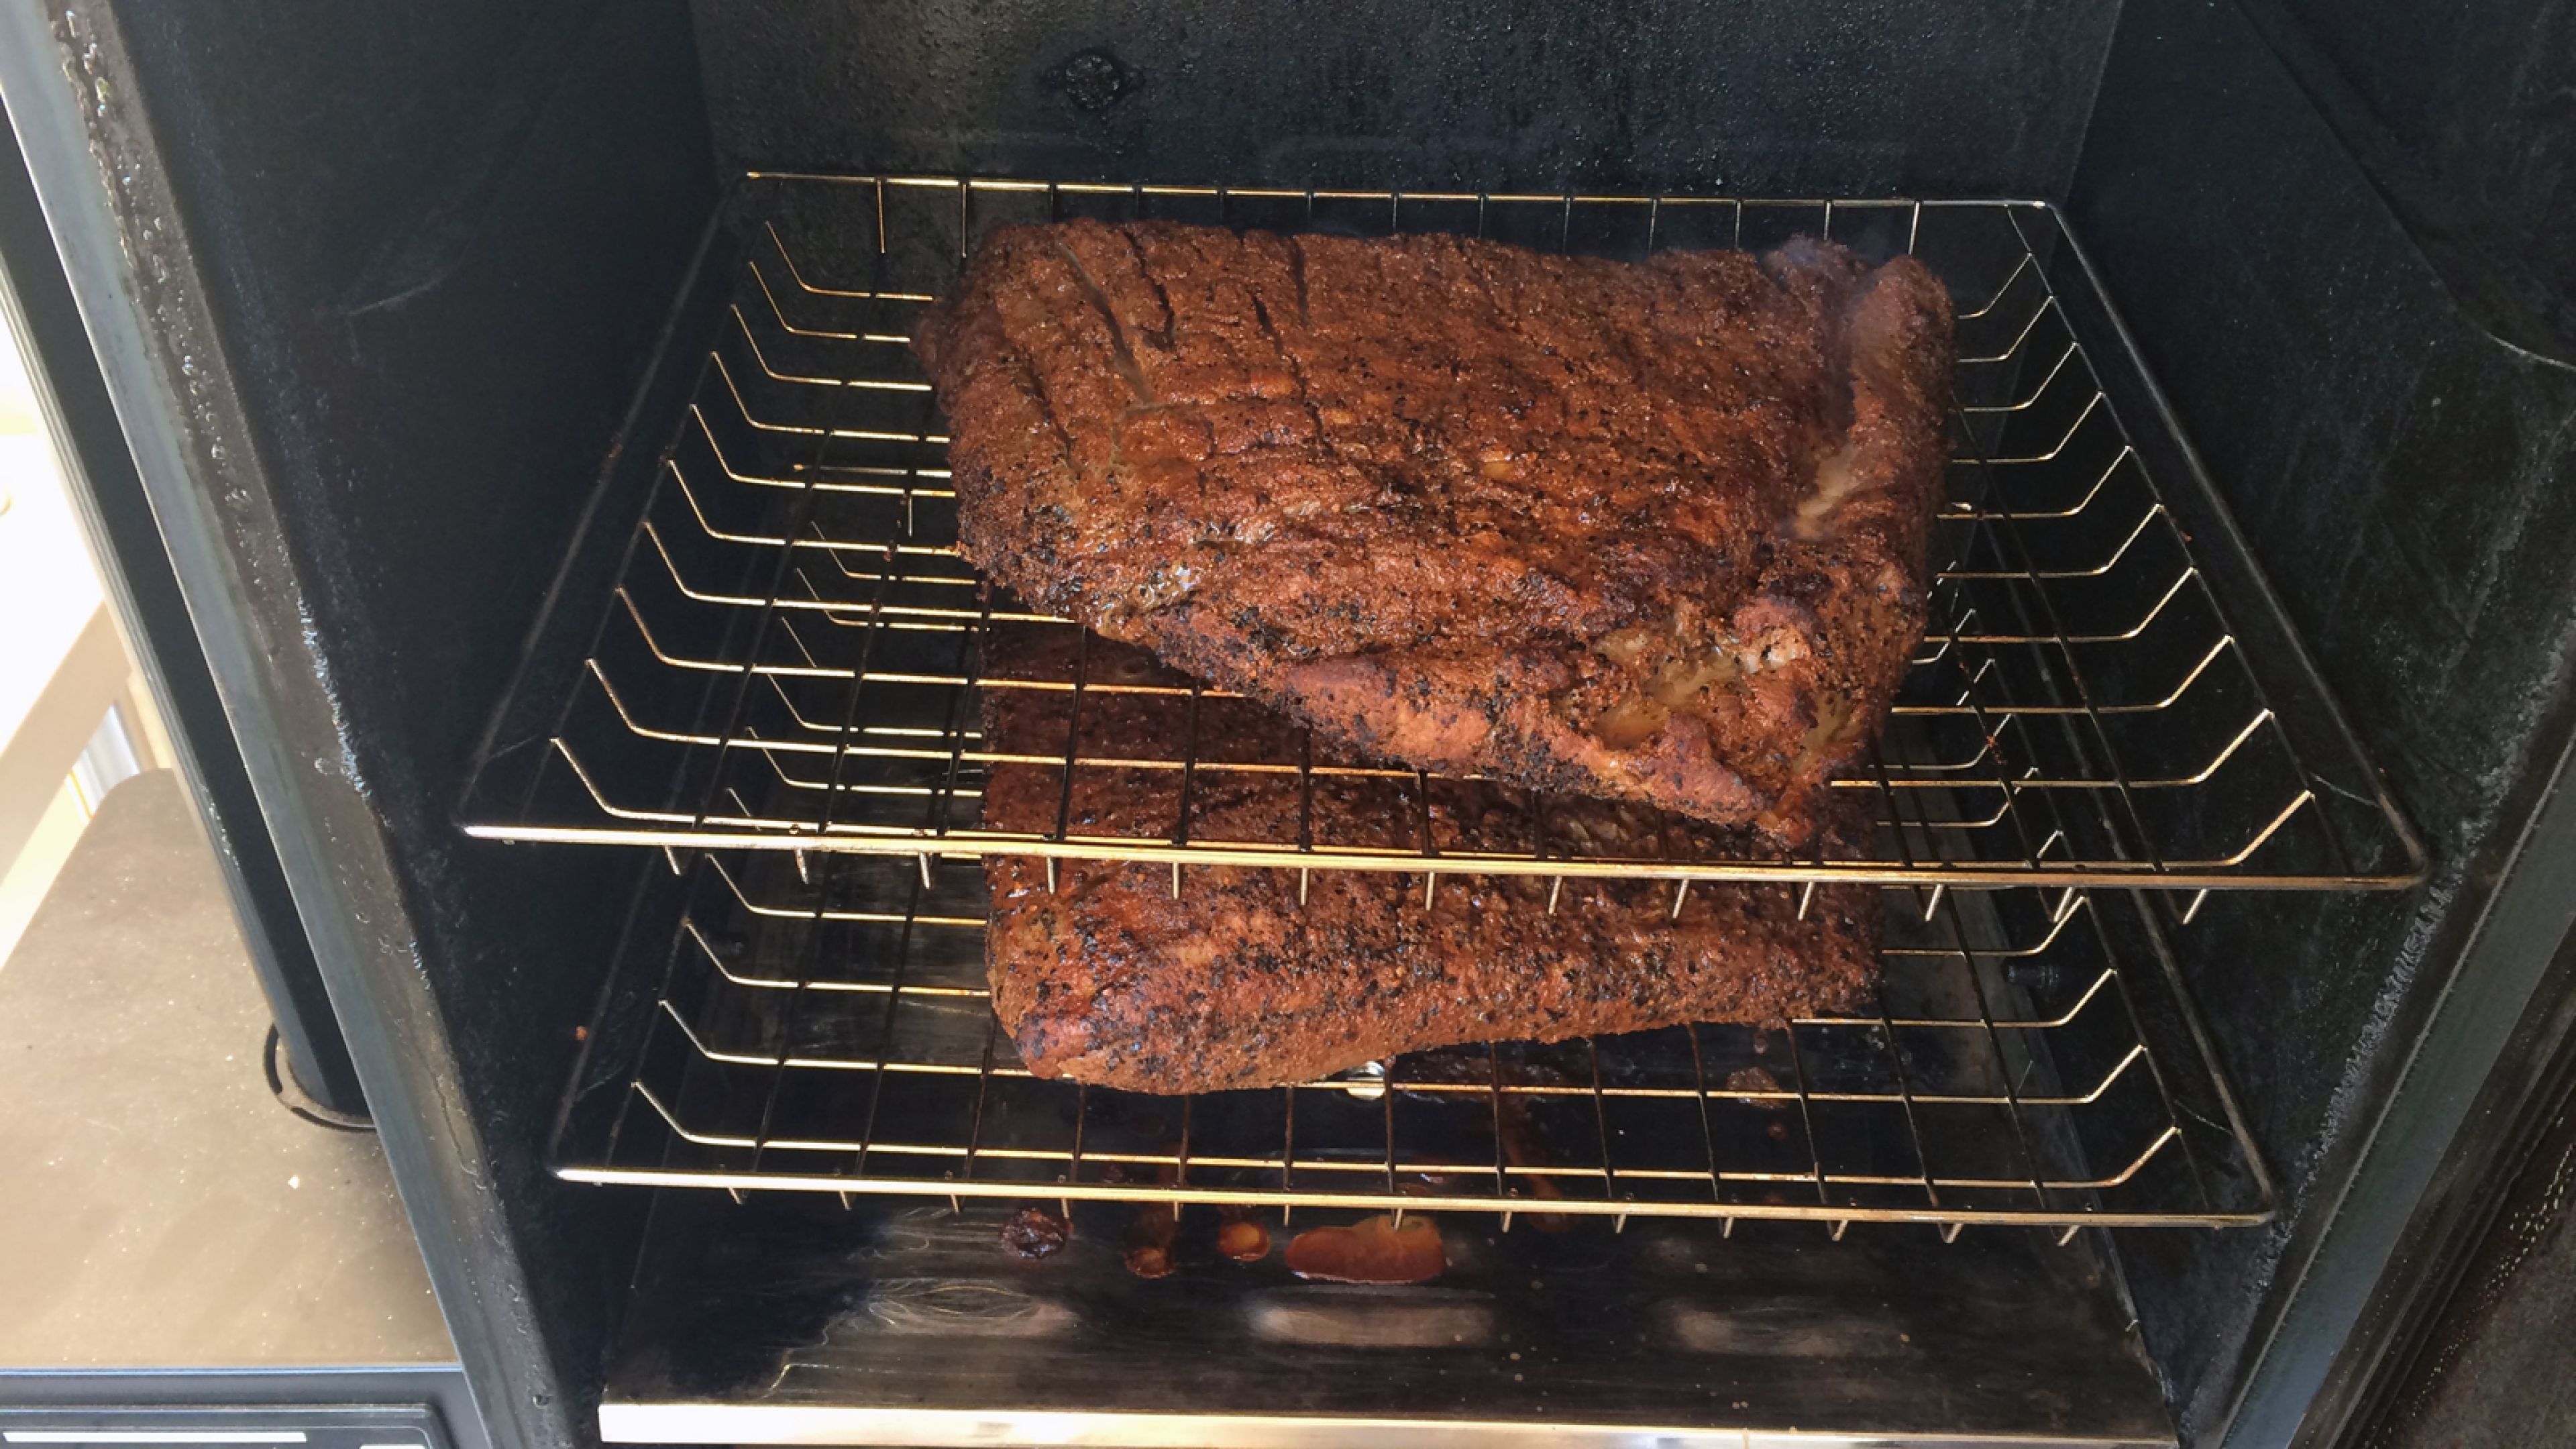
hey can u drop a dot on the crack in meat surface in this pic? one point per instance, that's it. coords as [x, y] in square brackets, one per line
[1652, 532]
[1111, 979]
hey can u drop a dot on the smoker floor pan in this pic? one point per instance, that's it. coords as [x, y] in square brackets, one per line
[791, 1319]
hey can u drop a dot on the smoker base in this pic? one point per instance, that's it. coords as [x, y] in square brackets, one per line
[791, 1320]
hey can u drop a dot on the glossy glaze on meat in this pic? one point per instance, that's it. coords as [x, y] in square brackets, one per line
[1651, 531]
[1111, 979]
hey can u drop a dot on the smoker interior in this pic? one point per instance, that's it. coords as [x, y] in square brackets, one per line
[791, 652]
[828, 1029]
[895, 1321]
[448, 257]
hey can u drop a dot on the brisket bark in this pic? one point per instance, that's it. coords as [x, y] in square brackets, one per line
[1652, 532]
[1112, 978]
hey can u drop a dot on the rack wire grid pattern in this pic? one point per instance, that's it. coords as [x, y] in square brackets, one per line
[792, 653]
[823, 1024]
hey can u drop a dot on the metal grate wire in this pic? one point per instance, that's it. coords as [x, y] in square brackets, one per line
[791, 653]
[821, 1023]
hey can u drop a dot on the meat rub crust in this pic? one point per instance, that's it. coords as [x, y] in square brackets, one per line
[1109, 978]
[1652, 532]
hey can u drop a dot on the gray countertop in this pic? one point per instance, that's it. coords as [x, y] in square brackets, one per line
[161, 1208]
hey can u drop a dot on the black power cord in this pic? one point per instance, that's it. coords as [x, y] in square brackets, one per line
[281, 1081]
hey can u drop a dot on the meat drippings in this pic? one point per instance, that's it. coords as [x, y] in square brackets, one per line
[1372, 1250]
[1756, 1084]
[1835, 482]
[1673, 672]
[1631, 722]
[1244, 1240]
[1034, 1233]
[1150, 1237]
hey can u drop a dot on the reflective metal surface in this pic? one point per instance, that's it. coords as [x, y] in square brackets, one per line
[794, 1319]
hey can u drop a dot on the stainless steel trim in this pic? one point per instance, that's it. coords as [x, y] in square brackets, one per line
[717, 1423]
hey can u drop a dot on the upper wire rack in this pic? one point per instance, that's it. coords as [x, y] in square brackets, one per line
[791, 655]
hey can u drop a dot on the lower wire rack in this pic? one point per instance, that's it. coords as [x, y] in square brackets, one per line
[786, 651]
[821, 1023]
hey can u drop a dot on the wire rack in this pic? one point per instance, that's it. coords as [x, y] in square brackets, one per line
[825, 1026]
[790, 654]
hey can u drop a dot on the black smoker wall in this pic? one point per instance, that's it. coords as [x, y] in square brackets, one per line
[2408, 481]
[440, 245]
[1756, 97]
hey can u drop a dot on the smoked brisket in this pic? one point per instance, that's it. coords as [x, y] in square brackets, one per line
[1112, 978]
[1647, 531]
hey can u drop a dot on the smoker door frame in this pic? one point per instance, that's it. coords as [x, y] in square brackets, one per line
[125, 253]
[2456, 1131]
[142, 589]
